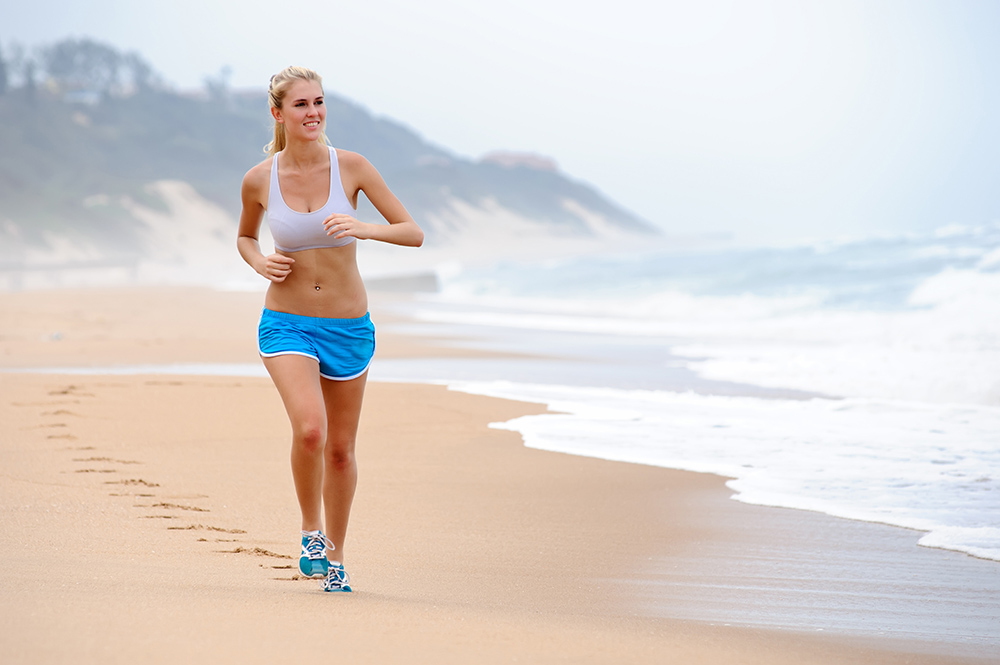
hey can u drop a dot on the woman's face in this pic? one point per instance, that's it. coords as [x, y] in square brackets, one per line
[302, 111]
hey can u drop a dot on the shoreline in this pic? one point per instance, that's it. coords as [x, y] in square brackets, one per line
[525, 535]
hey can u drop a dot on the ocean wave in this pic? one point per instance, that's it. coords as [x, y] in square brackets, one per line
[930, 468]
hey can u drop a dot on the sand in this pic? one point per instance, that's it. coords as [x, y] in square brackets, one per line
[151, 518]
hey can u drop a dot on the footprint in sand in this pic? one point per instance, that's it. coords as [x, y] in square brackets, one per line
[55, 426]
[60, 419]
[175, 506]
[164, 505]
[132, 482]
[61, 412]
[202, 527]
[261, 552]
[72, 394]
[105, 459]
[255, 551]
[71, 391]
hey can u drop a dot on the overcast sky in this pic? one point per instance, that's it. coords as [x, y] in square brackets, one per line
[777, 121]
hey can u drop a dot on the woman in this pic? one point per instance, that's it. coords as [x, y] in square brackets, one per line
[316, 339]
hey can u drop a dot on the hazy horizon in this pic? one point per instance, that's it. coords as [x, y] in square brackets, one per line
[775, 121]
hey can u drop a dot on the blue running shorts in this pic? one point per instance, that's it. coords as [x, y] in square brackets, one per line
[343, 347]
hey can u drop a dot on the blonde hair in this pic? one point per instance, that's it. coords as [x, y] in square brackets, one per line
[280, 83]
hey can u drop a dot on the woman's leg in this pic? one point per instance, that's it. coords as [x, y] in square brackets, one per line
[298, 382]
[343, 412]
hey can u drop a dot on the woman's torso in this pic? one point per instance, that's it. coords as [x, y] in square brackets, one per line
[324, 280]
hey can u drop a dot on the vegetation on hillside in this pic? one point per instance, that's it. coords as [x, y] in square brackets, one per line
[84, 127]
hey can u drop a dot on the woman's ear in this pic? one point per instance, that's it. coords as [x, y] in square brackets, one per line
[276, 112]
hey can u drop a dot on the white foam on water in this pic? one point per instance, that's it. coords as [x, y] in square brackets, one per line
[933, 468]
[945, 349]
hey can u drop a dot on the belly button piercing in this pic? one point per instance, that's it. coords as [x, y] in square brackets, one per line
[317, 287]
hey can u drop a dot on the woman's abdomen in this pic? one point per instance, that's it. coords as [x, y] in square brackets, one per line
[323, 282]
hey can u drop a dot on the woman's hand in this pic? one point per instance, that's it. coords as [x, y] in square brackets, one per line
[343, 226]
[277, 267]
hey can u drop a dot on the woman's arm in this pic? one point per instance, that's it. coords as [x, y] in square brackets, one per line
[276, 266]
[401, 230]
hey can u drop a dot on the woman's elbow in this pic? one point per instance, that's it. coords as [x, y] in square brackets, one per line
[414, 235]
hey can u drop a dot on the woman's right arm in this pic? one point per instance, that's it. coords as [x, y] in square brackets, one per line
[276, 266]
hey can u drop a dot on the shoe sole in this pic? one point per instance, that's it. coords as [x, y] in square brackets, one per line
[313, 567]
[341, 590]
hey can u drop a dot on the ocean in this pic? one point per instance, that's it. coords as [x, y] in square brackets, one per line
[860, 379]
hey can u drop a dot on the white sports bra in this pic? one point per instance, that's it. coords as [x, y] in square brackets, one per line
[295, 231]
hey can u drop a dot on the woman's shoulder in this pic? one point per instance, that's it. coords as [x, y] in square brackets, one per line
[353, 162]
[349, 157]
[260, 175]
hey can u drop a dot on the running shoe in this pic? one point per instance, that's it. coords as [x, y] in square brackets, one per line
[337, 580]
[313, 561]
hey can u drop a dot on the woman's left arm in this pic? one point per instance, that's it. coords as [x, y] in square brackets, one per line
[401, 230]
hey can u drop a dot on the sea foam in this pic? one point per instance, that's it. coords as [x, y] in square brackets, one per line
[933, 468]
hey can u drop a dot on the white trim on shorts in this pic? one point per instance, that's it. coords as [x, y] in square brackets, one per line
[309, 355]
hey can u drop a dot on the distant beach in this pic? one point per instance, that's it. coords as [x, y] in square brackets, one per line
[170, 498]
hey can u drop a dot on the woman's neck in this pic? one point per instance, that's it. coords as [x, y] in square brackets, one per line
[299, 154]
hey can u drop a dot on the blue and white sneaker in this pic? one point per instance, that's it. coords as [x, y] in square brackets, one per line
[313, 561]
[337, 579]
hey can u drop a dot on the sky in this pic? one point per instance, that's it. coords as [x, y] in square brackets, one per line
[767, 121]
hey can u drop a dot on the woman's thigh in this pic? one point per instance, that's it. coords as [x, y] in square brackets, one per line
[343, 410]
[299, 384]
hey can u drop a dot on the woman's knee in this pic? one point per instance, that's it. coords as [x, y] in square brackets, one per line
[310, 436]
[340, 455]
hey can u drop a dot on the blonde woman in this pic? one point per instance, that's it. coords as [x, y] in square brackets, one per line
[315, 335]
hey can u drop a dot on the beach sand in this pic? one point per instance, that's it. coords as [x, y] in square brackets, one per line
[151, 518]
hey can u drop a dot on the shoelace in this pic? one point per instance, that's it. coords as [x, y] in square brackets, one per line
[316, 545]
[336, 578]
